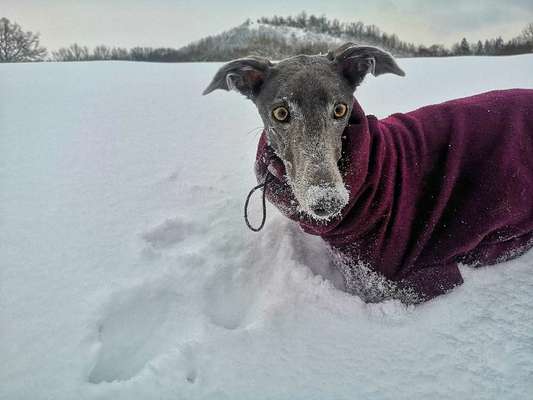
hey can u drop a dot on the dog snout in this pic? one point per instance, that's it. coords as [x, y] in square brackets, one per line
[325, 207]
[326, 201]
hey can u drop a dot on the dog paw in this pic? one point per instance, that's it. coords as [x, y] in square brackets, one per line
[131, 334]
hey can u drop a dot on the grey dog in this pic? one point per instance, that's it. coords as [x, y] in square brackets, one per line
[304, 102]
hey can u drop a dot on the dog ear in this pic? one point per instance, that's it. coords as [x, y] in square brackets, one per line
[354, 62]
[245, 75]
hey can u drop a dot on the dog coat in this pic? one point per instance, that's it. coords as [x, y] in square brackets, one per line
[443, 184]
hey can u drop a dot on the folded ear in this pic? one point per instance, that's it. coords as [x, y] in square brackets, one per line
[245, 75]
[354, 62]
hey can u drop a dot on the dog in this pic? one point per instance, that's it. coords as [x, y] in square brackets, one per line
[401, 201]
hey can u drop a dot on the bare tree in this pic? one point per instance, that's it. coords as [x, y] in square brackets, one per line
[101, 53]
[17, 45]
[79, 53]
[527, 33]
[119, 53]
[74, 52]
[62, 54]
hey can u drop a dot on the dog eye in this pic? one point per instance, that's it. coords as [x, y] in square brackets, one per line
[281, 114]
[340, 110]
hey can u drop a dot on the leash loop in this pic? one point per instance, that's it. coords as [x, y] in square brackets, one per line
[263, 219]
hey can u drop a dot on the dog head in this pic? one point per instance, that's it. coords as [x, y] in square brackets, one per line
[305, 103]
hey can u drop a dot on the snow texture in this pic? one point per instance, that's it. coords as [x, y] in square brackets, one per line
[295, 35]
[329, 195]
[127, 271]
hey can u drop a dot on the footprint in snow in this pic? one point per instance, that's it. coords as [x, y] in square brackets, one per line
[169, 233]
[229, 296]
[132, 334]
[188, 354]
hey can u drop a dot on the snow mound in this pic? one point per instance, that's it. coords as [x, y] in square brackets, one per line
[128, 272]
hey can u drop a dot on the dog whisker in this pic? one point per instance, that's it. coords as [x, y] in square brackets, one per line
[255, 131]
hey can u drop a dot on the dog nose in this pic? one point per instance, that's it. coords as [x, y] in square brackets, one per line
[326, 202]
[325, 207]
[321, 208]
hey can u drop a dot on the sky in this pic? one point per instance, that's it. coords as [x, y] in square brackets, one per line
[173, 23]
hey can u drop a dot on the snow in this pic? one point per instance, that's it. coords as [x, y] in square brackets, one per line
[335, 197]
[127, 271]
[296, 35]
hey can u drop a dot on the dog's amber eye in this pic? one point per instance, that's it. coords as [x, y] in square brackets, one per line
[281, 114]
[340, 110]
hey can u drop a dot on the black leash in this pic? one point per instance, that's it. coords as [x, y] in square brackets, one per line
[264, 186]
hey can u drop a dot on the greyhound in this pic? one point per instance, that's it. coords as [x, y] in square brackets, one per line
[407, 208]
[305, 103]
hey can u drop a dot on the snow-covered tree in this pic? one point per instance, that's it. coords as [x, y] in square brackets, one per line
[17, 45]
[499, 44]
[465, 47]
[479, 47]
[462, 48]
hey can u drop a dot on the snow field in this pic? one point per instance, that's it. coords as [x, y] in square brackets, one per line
[127, 271]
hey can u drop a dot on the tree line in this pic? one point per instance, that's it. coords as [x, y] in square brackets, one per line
[272, 37]
[76, 52]
[371, 34]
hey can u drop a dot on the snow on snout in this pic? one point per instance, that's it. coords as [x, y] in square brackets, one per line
[325, 201]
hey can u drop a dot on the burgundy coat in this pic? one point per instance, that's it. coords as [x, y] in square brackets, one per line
[443, 184]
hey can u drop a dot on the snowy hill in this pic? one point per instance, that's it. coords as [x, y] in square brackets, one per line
[127, 271]
[276, 42]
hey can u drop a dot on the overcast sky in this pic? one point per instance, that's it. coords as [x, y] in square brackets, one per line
[174, 23]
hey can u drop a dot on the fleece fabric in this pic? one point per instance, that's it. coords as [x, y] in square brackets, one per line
[443, 184]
